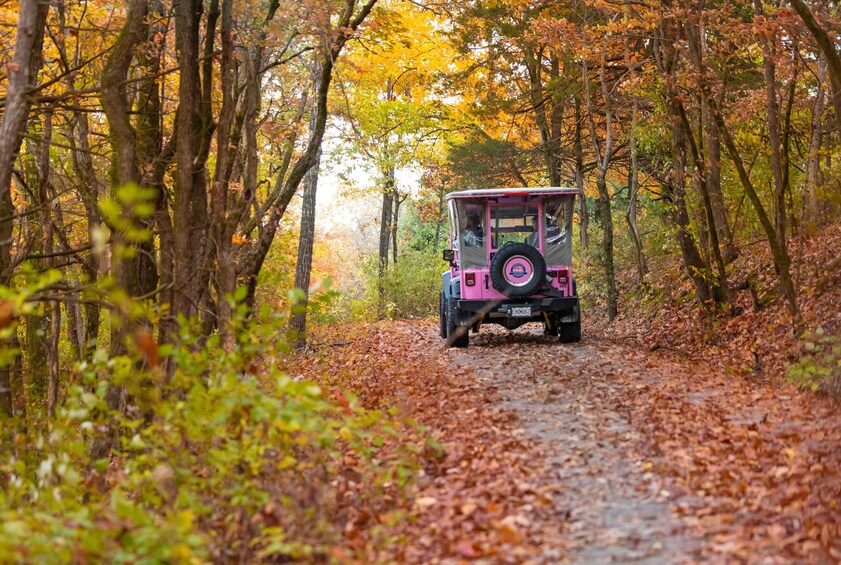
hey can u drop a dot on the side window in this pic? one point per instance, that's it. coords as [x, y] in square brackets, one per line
[471, 217]
[558, 219]
[454, 231]
[557, 230]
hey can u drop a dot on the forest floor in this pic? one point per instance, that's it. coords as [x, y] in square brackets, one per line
[602, 451]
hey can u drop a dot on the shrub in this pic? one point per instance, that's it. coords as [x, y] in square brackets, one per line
[819, 368]
[224, 459]
[410, 290]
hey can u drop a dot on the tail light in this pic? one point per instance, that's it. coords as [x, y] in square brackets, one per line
[470, 279]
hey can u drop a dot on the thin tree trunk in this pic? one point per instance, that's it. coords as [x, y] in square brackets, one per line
[252, 261]
[225, 220]
[22, 74]
[782, 262]
[633, 182]
[305, 247]
[583, 213]
[603, 207]
[306, 240]
[774, 137]
[828, 47]
[813, 162]
[52, 306]
[385, 237]
[394, 223]
[720, 290]
[439, 220]
[631, 217]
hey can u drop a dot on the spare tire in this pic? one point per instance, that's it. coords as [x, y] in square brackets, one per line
[518, 270]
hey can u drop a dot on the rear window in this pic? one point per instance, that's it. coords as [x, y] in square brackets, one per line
[514, 224]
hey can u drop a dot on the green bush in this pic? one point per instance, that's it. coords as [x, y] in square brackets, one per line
[819, 368]
[224, 459]
[409, 290]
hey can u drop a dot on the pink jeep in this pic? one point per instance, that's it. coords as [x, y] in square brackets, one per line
[510, 263]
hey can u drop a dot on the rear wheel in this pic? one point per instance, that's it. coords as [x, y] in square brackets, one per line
[442, 315]
[457, 335]
[569, 332]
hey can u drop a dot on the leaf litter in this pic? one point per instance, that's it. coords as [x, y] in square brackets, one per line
[597, 452]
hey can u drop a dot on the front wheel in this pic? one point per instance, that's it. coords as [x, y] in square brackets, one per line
[457, 335]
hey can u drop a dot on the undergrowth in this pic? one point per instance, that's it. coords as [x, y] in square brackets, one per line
[225, 459]
[819, 367]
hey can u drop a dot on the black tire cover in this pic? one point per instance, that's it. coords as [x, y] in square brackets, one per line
[518, 270]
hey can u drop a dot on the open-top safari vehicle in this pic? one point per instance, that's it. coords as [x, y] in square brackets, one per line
[510, 263]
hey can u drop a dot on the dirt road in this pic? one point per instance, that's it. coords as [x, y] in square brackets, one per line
[613, 506]
[663, 461]
[600, 452]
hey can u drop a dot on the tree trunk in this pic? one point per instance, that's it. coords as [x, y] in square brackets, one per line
[712, 147]
[813, 163]
[224, 219]
[828, 48]
[583, 213]
[631, 217]
[633, 180]
[720, 290]
[252, 261]
[782, 262]
[22, 74]
[395, 222]
[603, 155]
[385, 236]
[189, 219]
[774, 137]
[439, 220]
[305, 245]
[692, 259]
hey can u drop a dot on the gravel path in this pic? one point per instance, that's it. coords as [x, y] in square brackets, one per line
[613, 509]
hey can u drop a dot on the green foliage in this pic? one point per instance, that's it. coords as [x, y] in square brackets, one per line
[225, 458]
[409, 290]
[820, 365]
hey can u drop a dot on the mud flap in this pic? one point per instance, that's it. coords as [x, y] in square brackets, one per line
[573, 316]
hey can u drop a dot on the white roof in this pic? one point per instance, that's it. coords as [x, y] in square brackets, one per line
[518, 191]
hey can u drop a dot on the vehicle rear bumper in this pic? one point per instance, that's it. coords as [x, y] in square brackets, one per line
[539, 306]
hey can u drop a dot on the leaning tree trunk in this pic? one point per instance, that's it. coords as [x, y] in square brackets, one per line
[712, 146]
[774, 136]
[252, 261]
[782, 261]
[721, 292]
[829, 50]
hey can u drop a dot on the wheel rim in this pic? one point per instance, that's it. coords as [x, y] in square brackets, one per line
[518, 271]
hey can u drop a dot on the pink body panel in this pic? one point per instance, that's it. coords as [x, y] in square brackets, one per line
[484, 290]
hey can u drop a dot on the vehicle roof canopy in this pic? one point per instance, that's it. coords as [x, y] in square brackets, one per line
[520, 191]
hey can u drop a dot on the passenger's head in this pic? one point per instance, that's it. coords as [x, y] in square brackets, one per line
[473, 221]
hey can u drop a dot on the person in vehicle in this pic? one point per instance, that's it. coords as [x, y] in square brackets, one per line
[554, 234]
[473, 235]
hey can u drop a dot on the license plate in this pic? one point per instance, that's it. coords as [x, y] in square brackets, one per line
[520, 312]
